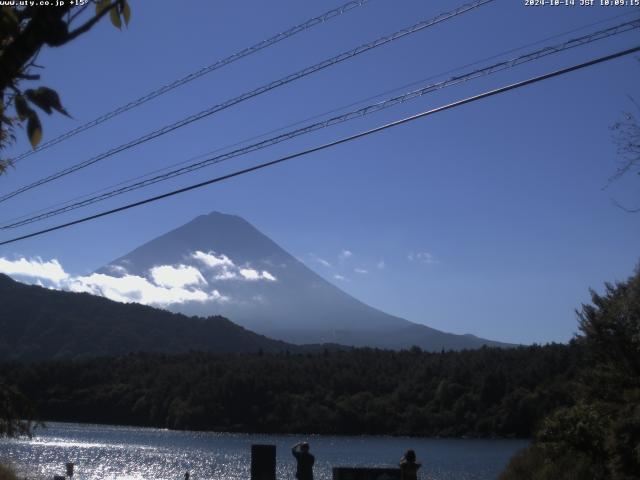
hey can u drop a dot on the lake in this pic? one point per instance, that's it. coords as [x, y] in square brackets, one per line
[109, 452]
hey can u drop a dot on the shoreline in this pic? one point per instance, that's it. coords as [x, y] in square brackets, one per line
[284, 434]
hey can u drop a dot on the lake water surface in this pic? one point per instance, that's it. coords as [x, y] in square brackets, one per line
[109, 452]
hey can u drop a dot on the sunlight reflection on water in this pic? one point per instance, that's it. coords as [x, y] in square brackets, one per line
[129, 453]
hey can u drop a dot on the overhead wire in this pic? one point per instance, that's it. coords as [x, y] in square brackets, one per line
[312, 22]
[351, 115]
[321, 115]
[258, 91]
[334, 143]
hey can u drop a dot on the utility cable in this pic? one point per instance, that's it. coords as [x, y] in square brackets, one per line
[351, 115]
[317, 116]
[258, 91]
[325, 146]
[320, 19]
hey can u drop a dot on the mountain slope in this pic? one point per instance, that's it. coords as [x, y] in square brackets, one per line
[39, 323]
[269, 291]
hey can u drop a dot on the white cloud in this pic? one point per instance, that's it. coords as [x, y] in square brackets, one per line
[132, 288]
[211, 260]
[344, 254]
[176, 277]
[361, 271]
[216, 296]
[117, 269]
[35, 268]
[422, 257]
[320, 260]
[225, 274]
[340, 277]
[226, 269]
[250, 274]
[381, 265]
[267, 276]
[162, 285]
[253, 275]
[168, 284]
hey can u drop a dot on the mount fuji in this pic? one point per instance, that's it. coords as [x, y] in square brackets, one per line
[225, 266]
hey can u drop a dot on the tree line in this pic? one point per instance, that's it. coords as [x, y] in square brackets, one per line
[486, 392]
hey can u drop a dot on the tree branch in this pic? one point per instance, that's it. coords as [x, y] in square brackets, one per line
[626, 209]
[90, 23]
[27, 44]
[78, 13]
[28, 76]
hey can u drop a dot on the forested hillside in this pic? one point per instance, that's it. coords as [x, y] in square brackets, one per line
[485, 392]
[37, 324]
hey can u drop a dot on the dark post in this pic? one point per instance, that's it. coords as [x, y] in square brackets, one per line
[263, 462]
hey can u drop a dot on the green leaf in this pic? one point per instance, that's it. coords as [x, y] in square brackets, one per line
[101, 5]
[46, 99]
[22, 109]
[38, 100]
[126, 13]
[34, 129]
[115, 18]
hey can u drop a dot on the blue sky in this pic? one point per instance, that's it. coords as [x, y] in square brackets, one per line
[489, 219]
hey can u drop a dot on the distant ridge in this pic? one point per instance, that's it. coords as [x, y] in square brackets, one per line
[41, 324]
[298, 306]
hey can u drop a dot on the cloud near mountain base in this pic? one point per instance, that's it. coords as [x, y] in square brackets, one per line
[35, 268]
[165, 284]
[132, 288]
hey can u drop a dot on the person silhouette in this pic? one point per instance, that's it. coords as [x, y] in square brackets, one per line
[304, 468]
[408, 466]
[186, 475]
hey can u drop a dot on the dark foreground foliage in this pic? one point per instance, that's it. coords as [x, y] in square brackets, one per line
[16, 412]
[486, 392]
[597, 437]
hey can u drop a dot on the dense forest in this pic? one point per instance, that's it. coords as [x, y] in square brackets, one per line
[486, 392]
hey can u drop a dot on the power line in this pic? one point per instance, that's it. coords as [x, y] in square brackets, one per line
[199, 73]
[258, 91]
[351, 115]
[323, 114]
[350, 138]
[320, 115]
